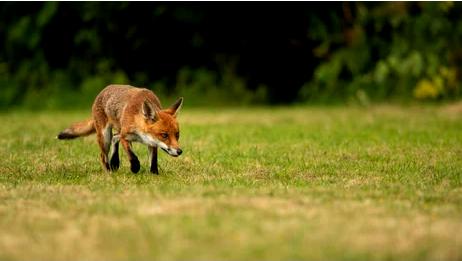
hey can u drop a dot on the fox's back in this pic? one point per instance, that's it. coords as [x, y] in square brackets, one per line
[117, 100]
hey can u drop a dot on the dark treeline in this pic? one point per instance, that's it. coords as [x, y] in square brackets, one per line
[60, 54]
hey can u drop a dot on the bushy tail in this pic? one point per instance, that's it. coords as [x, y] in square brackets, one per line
[78, 129]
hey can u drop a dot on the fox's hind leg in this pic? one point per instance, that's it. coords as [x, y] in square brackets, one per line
[153, 159]
[104, 141]
[104, 136]
[115, 161]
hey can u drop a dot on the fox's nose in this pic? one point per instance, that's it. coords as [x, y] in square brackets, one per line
[179, 151]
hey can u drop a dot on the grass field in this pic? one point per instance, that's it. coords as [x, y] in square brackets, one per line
[317, 183]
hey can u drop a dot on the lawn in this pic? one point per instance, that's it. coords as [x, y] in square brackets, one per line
[317, 183]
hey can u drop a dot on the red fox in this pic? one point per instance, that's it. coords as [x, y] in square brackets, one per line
[136, 115]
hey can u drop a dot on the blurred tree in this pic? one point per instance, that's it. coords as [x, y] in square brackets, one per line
[60, 54]
[390, 50]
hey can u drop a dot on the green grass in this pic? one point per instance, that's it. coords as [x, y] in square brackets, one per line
[316, 183]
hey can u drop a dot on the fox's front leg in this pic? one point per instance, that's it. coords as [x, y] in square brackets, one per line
[153, 159]
[134, 162]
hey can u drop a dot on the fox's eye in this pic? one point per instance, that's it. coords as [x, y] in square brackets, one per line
[164, 135]
[177, 135]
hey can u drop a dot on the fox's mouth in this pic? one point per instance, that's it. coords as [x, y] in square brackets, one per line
[172, 152]
[149, 140]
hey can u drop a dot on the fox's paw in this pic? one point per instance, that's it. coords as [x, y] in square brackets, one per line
[154, 170]
[106, 166]
[115, 162]
[135, 165]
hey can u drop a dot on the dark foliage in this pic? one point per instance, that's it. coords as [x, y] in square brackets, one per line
[59, 54]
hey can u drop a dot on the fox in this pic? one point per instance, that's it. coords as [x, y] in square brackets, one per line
[125, 114]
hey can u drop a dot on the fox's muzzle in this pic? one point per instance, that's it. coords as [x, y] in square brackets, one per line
[173, 152]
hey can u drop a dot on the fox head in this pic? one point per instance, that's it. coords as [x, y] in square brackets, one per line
[161, 127]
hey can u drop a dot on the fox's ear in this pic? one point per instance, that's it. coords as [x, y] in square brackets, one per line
[175, 107]
[148, 111]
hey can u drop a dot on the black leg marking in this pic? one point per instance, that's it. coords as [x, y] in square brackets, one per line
[115, 161]
[134, 163]
[153, 155]
[154, 169]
